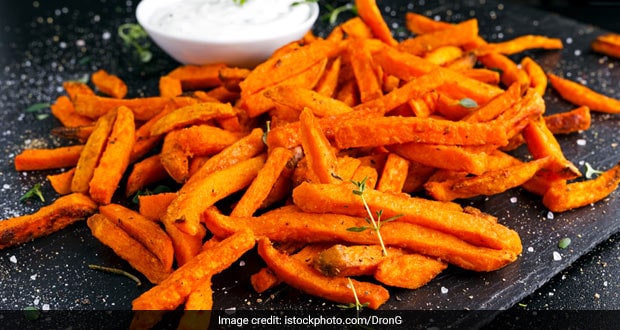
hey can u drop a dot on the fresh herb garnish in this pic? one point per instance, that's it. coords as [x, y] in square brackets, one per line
[333, 12]
[297, 3]
[375, 224]
[468, 103]
[159, 189]
[37, 109]
[116, 271]
[240, 2]
[564, 243]
[35, 191]
[132, 34]
[591, 171]
[267, 129]
[357, 304]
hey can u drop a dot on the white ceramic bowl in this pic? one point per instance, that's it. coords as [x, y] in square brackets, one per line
[243, 51]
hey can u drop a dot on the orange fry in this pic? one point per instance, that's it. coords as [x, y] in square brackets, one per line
[579, 94]
[109, 84]
[304, 277]
[409, 271]
[371, 15]
[520, 44]
[321, 158]
[43, 159]
[578, 119]
[608, 44]
[48, 219]
[194, 114]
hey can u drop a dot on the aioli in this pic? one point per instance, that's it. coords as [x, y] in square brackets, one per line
[224, 20]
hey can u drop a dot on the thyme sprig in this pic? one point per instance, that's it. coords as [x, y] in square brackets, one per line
[375, 224]
[591, 171]
[35, 191]
[132, 34]
[333, 12]
[357, 304]
[116, 271]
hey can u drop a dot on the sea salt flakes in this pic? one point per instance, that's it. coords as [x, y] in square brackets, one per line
[13, 259]
[444, 290]
[557, 256]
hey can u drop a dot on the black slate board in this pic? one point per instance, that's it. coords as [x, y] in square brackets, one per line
[43, 45]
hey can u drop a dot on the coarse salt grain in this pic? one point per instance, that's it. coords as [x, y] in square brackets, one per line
[557, 256]
[513, 200]
[581, 142]
[444, 290]
[550, 215]
[13, 259]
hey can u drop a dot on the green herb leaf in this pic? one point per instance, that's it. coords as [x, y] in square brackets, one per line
[297, 3]
[35, 191]
[240, 2]
[358, 229]
[38, 107]
[31, 313]
[135, 36]
[468, 103]
[591, 171]
[564, 243]
[333, 12]
[156, 190]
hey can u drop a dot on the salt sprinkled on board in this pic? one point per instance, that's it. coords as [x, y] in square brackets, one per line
[513, 200]
[13, 259]
[550, 215]
[557, 256]
[581, 142]
[444, 290]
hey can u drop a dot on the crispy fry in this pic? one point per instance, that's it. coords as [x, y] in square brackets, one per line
[115, 157]
[43, 159]
[489, 183]
[321, 158]
[198, 76]
[394, 174]
[74, 88]
[144, 173]
[290, 224]
[172, 292]
[443, 55]
[299, 98]
[198, 307]
[366, 132]
[194, 114]
[265, 180]
[520, 44]
[154, 206]
[371, 15]
[146, 232]
[420, 24]
[510, 72]
[64, 111]
[578, 119]
[48, 219]
[562, 196]
[329, 81]
[352, 260]
[89, 157]
[542, 143]
[608, 44]
[538, 78]
[304, 277]
[144, 108]
[170, 86]
[453, 35]
[409, 271]
[129, 249]
[61, 182]
[109, 84]
[579, 94]
[79, 133]
[198, 195]
[366, 77]
[338, 198]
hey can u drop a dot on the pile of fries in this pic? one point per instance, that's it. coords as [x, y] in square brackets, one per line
[329, 147]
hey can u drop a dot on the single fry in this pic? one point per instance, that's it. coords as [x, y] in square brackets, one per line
[394, 174]
[198, 76]
[154, 206]
[144, 173]
[109, 84]
[194, 114]
[409, 271]
[115, 157]
[265, 180]
[61, 182]
[173, 291]
[520, 44]
[453, 35]
[48, 219]
[608, 44]
[371, 15]
[562, 196]
[170, 86]
[197, 196]
[578, 119]
[89, 157]
[306, 278]
[320, 155]
[579, 94]
[538, 77]
[64, 111]
[352, 260]
[299, 98]
[43, 159]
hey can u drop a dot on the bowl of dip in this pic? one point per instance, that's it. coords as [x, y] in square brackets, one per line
[237, 33]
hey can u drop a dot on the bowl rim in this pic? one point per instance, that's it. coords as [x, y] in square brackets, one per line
[143, 20]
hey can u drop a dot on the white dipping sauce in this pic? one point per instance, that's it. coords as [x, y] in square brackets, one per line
[225, 20]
